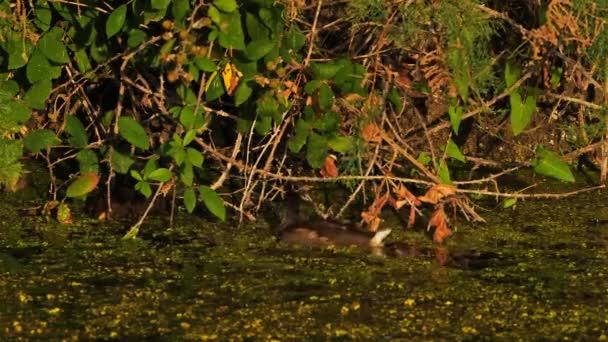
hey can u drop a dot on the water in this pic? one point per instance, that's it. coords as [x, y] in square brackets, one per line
[537, 272]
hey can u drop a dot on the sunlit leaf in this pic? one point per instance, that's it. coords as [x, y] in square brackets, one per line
[453, 151]
[38, 93]
[133, 132]
[195, 157]
[521, 112]
[549, 163]
[40, 139]
[78, 134]
[120, 162]
[316, 150]
[259, 48]
[242, 93]
[226, 5]
[213, 202]
[179, 9]
[39, 68]
[160, 175]
[82, 185]
[341, 144]
[87, 161]
[116, 20]
[325, 71]
[455, 113]
[64, 214]
[512, 73]
[326, 96]
[189, 200]
[52, 47]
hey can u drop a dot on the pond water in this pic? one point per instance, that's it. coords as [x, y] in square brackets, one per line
[537, 272]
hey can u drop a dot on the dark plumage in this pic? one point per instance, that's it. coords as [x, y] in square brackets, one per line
[324, 232]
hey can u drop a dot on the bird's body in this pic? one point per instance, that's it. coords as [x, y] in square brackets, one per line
[324, 232]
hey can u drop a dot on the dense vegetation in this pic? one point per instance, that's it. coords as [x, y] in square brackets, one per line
[223, 103]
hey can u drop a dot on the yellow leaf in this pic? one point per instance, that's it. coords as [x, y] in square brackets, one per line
[231, 77]
[210, 80]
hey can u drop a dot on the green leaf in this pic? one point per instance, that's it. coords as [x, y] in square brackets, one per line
[75, 128]
[132, 233]
[179, 9]
[453, 151]
[150, 166]
[187, 174]
[255, 28]
[195, 157]
[17, 48]
[136, 38]
[10, 167]
[550, 164]
[509, 202]
[461, 80]
[82, 185]
[39, 68]
[9, 88]
[226, 5]
[521, 112]
[258, 49]
[216, 89]
[82, 58]
[424, 158]
[242, 93]
[326, 97]
[396, 99]
[295, 39]
[188, 137]
[455, 117]
[116, 20]
[444, 173]
[311, 86]
[40, 139]
[14, 114]
[186, 116]
[52, 47]
[160, 175]
[38, 93]
[268, 106]
[205, 64]
[298, 141]
[316, 150]
[213, 202]
[133, 132]
[121, 163]
[328, 122]
[87, 161]
[160, 5]
[341, 144]
[512, 73]
[43, 15]
[144, 188]
[325, 71]
[231, 34]
[136, 175]
[263, 125]
[189, 200]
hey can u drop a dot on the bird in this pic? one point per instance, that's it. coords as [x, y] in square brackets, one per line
[323, 232]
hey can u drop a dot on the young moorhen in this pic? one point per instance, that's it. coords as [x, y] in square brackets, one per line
[324, 232]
